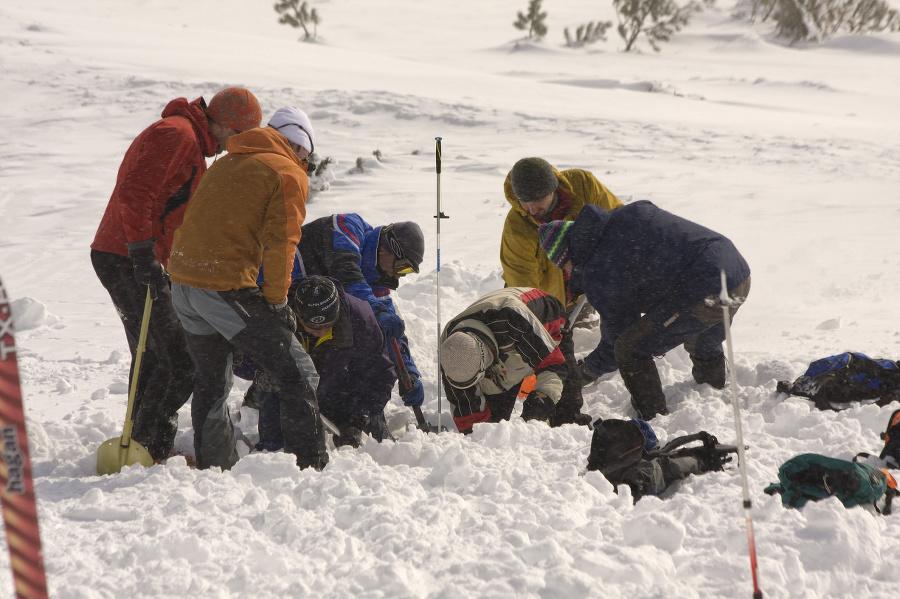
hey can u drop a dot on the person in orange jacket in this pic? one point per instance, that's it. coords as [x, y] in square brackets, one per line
[130, 251]
[247, 211]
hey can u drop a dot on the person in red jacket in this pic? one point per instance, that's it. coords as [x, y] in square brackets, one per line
[131, 249]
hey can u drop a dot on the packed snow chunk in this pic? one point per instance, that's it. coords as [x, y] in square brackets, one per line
[28, 313]
[658, 529]
[265, 468]
[773, 370]
[595, 479]
[118, 388]
[116, 356]
[38, 439]
[832, 324]
[831, 529]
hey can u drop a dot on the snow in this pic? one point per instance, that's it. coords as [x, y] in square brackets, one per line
[789, 151]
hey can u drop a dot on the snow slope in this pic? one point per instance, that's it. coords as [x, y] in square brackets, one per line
[789, 151]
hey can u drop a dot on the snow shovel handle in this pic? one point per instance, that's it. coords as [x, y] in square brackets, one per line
[136, 373]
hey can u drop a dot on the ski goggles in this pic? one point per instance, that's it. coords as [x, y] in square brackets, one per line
[402, 264]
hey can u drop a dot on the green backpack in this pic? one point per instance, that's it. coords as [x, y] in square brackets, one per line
[811, 477]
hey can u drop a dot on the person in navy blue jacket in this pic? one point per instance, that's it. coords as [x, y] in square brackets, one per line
[356, 376]
[369, 262]
[648, 273]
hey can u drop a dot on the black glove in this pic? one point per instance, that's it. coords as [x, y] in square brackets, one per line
[285, 314]
[351, 431]
[538, 406]
[147, 271]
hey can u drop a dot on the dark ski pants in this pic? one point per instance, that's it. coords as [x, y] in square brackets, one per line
[337, 408]
[217, 322]
[571, 400]
[700, 327]
[165, 381]
[653, 477]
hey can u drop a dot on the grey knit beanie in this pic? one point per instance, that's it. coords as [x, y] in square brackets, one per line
[532, 179]
[464, 358]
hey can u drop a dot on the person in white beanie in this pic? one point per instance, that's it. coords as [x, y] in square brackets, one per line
[248, 209]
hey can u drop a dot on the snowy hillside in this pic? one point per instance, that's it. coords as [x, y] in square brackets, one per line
[790, 152]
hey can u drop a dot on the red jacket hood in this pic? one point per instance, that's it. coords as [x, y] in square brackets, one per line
[195, 112]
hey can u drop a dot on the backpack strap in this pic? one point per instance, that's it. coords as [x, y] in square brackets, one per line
[862, 454]
[679, 441]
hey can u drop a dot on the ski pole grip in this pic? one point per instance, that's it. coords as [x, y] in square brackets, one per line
[437, 155]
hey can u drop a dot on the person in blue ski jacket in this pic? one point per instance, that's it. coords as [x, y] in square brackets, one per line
[368, 262]
[649, 274]
[356, 376]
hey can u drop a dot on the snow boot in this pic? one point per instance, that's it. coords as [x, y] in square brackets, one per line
[641, 378]
[710, 371]
[156, 433]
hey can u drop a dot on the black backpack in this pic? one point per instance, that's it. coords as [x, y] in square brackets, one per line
[833, 382]
[618, 445]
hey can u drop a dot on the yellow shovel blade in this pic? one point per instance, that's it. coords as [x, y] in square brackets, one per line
[112, 457]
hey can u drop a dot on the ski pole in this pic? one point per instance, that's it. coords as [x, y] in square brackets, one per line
[727, 302]
[440, 215]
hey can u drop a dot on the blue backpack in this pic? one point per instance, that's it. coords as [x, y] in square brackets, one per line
[844, 378]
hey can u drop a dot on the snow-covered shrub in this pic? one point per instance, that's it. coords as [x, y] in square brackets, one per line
[817, 20]
[587, 33]
[656, 19]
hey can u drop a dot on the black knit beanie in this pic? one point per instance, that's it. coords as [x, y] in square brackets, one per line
[533, 179]
[316, 301]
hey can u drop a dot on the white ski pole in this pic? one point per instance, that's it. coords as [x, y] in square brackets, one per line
[727, 302]
[440, 215]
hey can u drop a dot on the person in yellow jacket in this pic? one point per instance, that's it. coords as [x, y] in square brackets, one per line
[248, 209]
[538, 193]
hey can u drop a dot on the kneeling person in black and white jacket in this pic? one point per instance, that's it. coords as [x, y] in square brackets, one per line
[497, 342]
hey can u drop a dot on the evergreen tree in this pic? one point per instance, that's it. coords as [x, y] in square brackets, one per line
[533, 21]
[817, 20]
[656, 19]
[298, 15]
